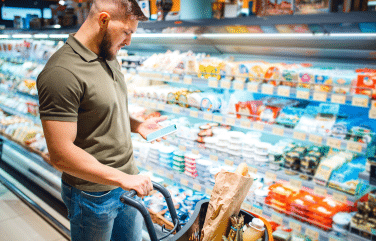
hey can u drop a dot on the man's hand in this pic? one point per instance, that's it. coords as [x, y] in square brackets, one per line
[150, 125]
[141, 184]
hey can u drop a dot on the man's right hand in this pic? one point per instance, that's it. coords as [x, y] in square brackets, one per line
[141, 184]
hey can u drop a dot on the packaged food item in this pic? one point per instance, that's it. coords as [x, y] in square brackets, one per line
[323, 81]
[255, 230]
[342, 81]
[312, 6]
[290, 116]
[366, 82]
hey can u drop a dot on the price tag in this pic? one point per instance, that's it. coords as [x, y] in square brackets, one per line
[196, 152]
[300, 135]
[133, 101]
[271, 176]
[315, 139]
[320, 191]
[208, 117]
[160, 172]
[301, 94]
[284, 91]
[182, 148]
[166, 77]
[213, 83]
[247, 206]
[277, 219]
[193, 113]
[226, 84]
[176, 110]
[214, 158]
[295, 226]
[360, 101]
[153, 105]
[170, 176]
[339, 99]
[278, 131]
[184, 182]
[229, 162]
[267, 89]
[175, 78]
[252, 87]
[149, 168]
[372, 114]
[354, 146]
[312, 234]
[161, 106]
[188, 80]
[339, 197]
[256, 211]
[208, 191]
[320, 96]
[238, 85]
[334, 143]
[253, 170]
[296, 183]
[197, 187]
[217, 118]
[333, 239]
[245, 124]
[230, 121]
[258, 126]
[140, 102]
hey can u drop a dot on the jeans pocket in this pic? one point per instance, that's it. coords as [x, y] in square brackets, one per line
[66, 194]
[95, 194]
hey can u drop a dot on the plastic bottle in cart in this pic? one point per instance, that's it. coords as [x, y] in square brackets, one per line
[255, 231]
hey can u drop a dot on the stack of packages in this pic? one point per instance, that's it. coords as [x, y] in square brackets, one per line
[222, 220]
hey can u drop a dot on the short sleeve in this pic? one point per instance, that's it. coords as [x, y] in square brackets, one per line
[59, 94]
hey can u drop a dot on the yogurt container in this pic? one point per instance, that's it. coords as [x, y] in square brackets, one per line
[236, 135]
[262, 148]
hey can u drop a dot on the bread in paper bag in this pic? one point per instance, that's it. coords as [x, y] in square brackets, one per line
[229, 192]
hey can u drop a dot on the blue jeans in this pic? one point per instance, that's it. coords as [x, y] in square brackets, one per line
[100, 216]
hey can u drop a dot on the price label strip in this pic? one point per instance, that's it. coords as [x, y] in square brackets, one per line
[258, 126]
[278, 131]
[252, 87]
[361, 101]
[176, 110]
[312, 234]
[338, 99]
[295, 226]
[245, 124]
[334, 143]
[166, 77]
[161, 106]
[208, 191]
[320, 191]
[213, 83]
[339, 197]
[315, 139]
[320, 96]
[187, 80]
[193, 114]
[277, 219]
[300, 135]
[230, 121]
[354, 146]
[214, 158]
[302, 94]
[175, 78]
[267, 89]
[296, 183]
[271, 176]
[284, 91]
[226, 84]
[197, 187]
[229, 162]
[208, 117]
[217, 118]
[182, 148]
[372, 113]
[238, 85]
[256, 211]
[196, 152]
[253, 170]
[184, 182]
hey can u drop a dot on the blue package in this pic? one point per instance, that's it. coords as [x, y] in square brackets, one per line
[328, 109]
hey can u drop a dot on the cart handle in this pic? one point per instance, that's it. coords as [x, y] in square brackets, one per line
[127, 198]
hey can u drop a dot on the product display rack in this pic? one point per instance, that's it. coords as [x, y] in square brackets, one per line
[250, 125]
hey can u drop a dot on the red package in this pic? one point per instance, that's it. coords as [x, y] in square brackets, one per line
[366, 82]
[268, 113]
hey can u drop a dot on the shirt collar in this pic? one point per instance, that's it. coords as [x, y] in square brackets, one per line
[80, 49]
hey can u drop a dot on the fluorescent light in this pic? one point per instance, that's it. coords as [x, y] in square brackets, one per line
[22, 36]
[57, 26]
[164, 35]
[353, 35]
[62, 2]
[256, 35]
[371, 3]
[40, 35]
[4, 36]
[59, 35]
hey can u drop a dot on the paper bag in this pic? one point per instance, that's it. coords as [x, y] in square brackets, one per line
[229, 192]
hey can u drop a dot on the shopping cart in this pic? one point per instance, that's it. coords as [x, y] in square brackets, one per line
[192, 230]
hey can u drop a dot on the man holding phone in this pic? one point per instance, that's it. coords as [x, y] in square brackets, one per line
[84, 113]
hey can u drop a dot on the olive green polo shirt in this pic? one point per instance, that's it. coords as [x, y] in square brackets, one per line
[78, 86]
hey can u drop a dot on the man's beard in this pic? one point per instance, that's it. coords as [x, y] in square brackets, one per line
[105, 48]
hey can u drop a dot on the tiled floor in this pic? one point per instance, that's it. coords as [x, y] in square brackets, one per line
[20, 223]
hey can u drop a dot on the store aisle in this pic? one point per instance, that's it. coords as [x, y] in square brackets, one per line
[19, 222]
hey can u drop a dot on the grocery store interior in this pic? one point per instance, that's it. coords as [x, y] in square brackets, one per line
[287, 87]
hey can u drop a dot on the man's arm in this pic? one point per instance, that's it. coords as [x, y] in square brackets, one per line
[69, 158]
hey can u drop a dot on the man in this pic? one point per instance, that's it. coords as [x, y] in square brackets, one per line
[84, 113]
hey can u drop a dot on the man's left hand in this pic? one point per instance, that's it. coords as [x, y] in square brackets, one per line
[150, 125]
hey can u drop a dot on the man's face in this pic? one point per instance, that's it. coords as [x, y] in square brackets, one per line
[117, 35]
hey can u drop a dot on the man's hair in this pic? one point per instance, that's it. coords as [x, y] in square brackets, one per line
[118, 9]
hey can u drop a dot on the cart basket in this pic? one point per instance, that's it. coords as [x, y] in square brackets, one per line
[189, 232]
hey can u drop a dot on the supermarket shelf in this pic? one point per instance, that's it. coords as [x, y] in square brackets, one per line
[330, 18]
[27, 96]
[258, 126]
[254, 87]
[202, 186]
[15, 112]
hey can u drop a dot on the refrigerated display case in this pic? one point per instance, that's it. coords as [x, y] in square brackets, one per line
[304, 99]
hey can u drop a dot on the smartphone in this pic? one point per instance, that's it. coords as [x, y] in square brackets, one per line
[161, 133]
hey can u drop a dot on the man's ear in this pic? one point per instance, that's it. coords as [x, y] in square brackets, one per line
[104, 19]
